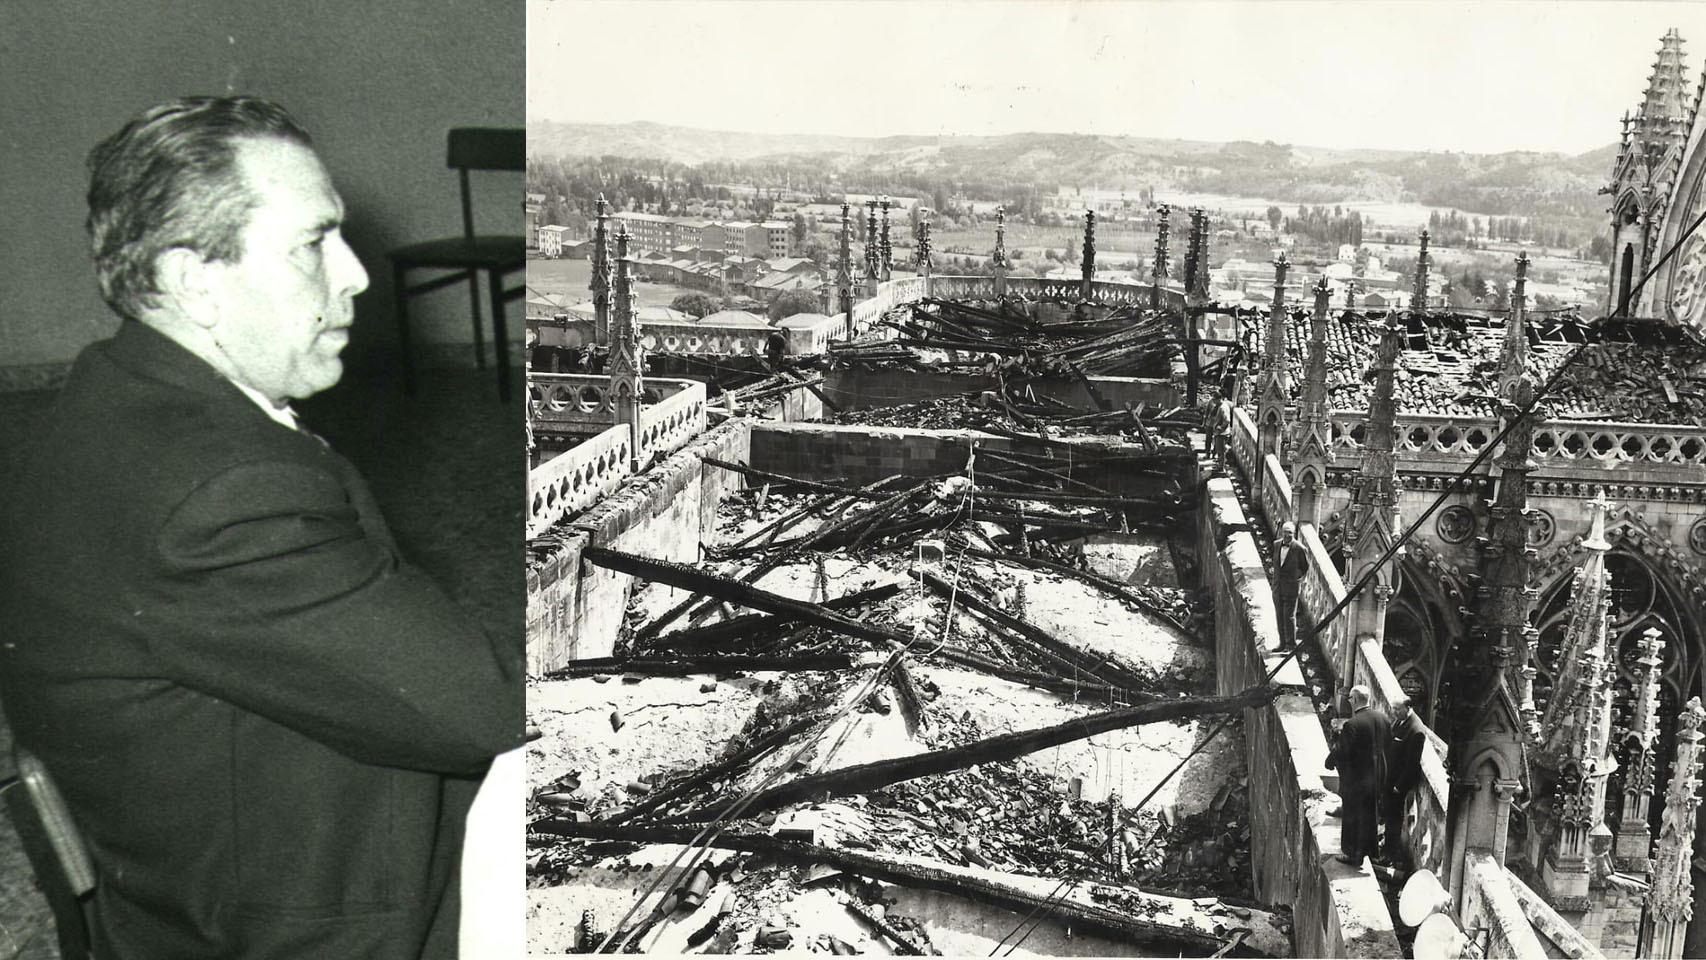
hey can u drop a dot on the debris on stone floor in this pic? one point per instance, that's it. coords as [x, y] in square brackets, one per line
[1083, 622]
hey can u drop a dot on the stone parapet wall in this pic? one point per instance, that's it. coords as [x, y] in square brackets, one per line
[1337, 911]
[1490, 904]
[860, 454]
[1351, 661]
[575, 611]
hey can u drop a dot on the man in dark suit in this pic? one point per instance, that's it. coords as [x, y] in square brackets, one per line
[1291, 562]
[267, 725]
[1360, 758]
[1403, 772]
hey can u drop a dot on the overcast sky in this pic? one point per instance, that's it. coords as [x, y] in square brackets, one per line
[1478, 77]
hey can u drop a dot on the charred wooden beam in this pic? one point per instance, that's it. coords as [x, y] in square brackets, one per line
[735, 592]
[1101, 920]
[817, 391]
[726, 767]
[754, 626]
[1074, 689]
[708, 663]
[1089, 662]
[874, 776]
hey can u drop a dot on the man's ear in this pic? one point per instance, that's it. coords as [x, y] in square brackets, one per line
[185, 280]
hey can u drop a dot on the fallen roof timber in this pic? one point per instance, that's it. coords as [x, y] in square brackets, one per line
[1007, 746]
[1096, 666]
[733, 591]
[754, 626]
[1081, 916]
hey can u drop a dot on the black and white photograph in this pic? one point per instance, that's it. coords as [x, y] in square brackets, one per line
[1146, 479]
[261, 636]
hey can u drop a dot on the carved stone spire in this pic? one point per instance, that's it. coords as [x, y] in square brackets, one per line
[1272, 393]
[1158, 273]
[1643, 180]
[1088, 264]
[1419, 286]
[600, 284]
[885, 252]
[998, 259]
[1576, 730]
[1670, 902]
[873, 272]
[627, 357]
[923, 255]
[1196, 258]
[1514, 359]
[1665, 105]
[844, 271]
[1590, 598]
[1373, 518]
[1487, 722]
[1311, 447]
[1634, 837]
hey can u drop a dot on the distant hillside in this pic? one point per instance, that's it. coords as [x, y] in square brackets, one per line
[660, 141]
[1553, 186]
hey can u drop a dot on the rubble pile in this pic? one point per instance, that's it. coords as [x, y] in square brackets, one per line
[1011, 414]
[1635, 383]
[1450, 363]
[1128, 341]
[1008, 817]
[907, 785]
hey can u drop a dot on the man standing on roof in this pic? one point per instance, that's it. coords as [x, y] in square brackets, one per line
[267, 725]
[1360, 758]
[1403, 773]
[1291, 562]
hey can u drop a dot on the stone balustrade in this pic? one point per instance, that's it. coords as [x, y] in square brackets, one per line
[576, 479]
[1056, 289]
[705, 339]
[1606, 442]
[1276, 492]
[1559, 445]
[674, 413]
[567, 401]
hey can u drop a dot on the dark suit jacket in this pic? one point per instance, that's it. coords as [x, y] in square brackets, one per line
[268, 726]
[1404, 754]
[1361, 755]
[1290, 566]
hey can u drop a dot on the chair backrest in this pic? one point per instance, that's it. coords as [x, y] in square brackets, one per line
[64, 869]
[56, 820]
[484, 148]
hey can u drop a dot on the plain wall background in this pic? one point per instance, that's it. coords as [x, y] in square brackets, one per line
[376, 84]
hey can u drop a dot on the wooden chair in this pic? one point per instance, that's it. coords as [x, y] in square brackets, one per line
[65, 873]
[471, 148]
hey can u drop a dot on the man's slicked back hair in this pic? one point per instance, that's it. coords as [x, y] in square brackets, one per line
[169, 179]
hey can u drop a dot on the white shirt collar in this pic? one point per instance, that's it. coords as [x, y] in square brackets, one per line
[281, 414]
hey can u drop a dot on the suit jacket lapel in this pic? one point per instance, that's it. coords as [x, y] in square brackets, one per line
[147, 352]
